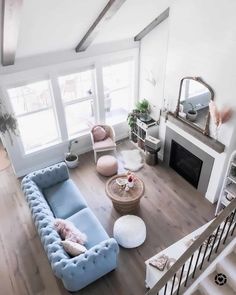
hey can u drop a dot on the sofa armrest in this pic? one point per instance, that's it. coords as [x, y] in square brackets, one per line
[49, 176]
[78, 272]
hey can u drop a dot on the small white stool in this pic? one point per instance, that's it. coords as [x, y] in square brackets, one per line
[129, 231]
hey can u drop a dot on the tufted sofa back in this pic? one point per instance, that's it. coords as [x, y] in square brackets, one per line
[42, 215]
[50, 176]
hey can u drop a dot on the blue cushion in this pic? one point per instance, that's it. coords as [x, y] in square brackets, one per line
[88, 223]
[64, 199]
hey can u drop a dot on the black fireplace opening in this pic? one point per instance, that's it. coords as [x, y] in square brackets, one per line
[185, 163]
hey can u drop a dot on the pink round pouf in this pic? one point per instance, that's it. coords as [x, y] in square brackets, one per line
[107, 165]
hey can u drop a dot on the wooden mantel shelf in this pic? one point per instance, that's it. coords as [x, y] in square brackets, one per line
[207, 140]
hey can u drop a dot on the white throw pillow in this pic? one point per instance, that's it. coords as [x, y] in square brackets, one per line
[72, 248]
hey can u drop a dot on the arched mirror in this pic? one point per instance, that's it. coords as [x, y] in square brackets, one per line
[193, 103]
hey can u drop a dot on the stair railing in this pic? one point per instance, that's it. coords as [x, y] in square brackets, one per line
[208, 245]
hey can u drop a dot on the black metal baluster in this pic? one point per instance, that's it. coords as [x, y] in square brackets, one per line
[173, 284]
[232, 219]
[165, 288]
[199, 252]
[233, 229]
[189, 267]
[180, 279]
[213, 244]
[204, 254]
[226, 220]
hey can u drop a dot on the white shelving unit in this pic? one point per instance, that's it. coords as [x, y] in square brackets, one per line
[142, 130]
[228, 191]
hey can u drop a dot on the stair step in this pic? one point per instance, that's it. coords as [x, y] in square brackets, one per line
[228, 266]
[209, 287]
[197, 292]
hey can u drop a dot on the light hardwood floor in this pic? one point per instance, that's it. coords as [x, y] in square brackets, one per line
[171, 209]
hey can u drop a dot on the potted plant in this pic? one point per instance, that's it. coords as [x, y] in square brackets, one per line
[71, 158]
[131, 119]
[192, 113]
[8, 123]
[233, 171]
[143, 107]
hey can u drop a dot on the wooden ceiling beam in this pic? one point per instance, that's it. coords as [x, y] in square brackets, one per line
[107, 13]
[11, 12]
[152, 25]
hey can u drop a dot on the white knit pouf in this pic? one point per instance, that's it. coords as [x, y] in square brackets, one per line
[129, 231]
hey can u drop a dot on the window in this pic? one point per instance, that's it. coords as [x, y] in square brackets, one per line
[33, 108]
[77, 92]
[191, 89]
[118, 80]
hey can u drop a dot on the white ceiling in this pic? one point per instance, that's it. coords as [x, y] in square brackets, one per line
[57, 25]
[133, 17]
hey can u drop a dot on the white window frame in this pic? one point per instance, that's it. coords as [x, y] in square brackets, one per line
[24, 151]
[27, 74]
[81, 99]
[115, 62]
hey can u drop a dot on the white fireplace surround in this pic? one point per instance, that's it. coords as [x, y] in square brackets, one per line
[215, 182]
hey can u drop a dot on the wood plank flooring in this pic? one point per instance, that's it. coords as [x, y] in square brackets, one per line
[171, 209]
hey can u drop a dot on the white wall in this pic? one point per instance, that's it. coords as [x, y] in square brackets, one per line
[153, 53]
[201, 42]
[26, 72]
[60, 57]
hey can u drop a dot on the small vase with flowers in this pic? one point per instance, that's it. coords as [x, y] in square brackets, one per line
[131, 179]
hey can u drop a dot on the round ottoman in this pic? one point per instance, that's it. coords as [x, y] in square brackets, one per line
[129, 231]
[107, 165]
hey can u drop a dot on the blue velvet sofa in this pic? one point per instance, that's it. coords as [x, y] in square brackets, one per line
[51, 194]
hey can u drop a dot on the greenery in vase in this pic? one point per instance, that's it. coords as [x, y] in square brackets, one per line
[233, 171]
[70, 156]
[143, 106]
[193, 108]
[132, 118]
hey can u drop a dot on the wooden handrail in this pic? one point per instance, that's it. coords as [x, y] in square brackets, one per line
[195, 246]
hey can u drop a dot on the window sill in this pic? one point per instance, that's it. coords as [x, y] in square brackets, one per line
[40, 149]
[59, 144]
[52, 146]
[79, 134]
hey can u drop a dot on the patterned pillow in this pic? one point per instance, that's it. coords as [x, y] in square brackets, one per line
[99, 133]
[72, 248]
[68, 231]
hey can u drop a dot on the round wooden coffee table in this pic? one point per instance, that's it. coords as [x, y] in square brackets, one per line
[125, 201]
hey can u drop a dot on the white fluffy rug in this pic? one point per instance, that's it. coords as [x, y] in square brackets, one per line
[132, 160]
